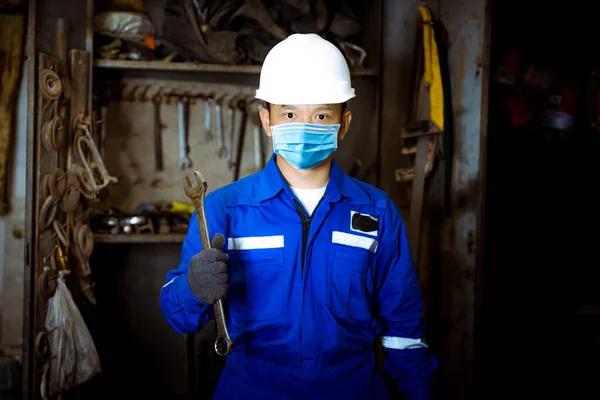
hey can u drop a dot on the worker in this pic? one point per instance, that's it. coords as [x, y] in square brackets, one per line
[312, 265]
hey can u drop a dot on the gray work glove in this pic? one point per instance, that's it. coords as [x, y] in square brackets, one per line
[207, 274]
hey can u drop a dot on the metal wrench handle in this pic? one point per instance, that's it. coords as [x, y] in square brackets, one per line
[157, 133]
[207, 124]
[219, 123]
[223, 343]
[182, 107]
[230, 134]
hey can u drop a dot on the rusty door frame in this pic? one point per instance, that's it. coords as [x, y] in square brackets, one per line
[459, 265]
[30, 212]
[42, 15]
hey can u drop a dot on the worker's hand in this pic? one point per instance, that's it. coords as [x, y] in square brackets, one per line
[207, 275]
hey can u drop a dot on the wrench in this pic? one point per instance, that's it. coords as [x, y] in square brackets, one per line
[258, 133]
[257, 145]
[182, 107]
[223, 344]
[237, 166]
[207, 125]
[157, 99]
[230, 130]
[219, 122]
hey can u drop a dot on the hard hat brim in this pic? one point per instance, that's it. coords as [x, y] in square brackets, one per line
[293, 98]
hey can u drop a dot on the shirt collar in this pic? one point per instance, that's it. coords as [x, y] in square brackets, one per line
[272, 182]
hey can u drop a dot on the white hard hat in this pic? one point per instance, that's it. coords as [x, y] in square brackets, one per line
[305, 69]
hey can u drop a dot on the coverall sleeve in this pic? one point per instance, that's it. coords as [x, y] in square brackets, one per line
[408, 360]
[179, 305]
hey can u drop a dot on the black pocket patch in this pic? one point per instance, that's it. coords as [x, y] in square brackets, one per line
[364, 223]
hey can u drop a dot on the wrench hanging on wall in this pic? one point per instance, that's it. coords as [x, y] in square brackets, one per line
[241, 104]
[207, 120]
[158, 156]
[258, 133]
[231, 106]
[183, 112]
[221, 149]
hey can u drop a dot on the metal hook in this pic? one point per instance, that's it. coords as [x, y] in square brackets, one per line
[168, 96]
[131, 95]
[143, 96]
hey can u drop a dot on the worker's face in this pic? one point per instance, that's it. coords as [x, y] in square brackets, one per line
[322, 114]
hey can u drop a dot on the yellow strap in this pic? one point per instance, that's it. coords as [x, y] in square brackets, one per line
[432, 74]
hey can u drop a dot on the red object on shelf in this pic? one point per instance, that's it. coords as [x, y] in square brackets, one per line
[519, 110]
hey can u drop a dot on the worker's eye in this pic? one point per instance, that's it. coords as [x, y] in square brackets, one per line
[289, 115]
[322, 117]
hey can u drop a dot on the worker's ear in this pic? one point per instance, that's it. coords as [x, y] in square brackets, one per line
[345, 124]
[265, 120]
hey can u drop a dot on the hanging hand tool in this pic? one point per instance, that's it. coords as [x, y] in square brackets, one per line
[102, 136]
[207, 124]
[423, 124]
[223, 343]
[183, 109]
[95, 167]
[219, 125]
[143, 96]
[240, 143]
[257, 146]
[263, 137]
[158, 157]
[258, 134]
[429, 116]
[230, 130]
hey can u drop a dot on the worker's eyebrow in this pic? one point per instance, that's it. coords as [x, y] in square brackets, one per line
[324, 108]
[288, 107]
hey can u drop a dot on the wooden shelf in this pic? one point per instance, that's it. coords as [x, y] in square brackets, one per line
[141, 238]
[197, 67]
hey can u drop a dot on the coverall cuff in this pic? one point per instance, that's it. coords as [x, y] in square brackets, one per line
[423, 393]
[184, 292]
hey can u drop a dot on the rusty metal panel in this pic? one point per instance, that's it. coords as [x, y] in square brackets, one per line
[456, 270]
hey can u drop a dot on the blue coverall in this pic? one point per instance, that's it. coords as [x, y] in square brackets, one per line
[309, 295]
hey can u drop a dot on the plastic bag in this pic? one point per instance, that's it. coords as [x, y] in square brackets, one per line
[74, 356]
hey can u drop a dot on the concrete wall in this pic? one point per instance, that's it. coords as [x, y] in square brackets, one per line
[458, 237]
[11, 233]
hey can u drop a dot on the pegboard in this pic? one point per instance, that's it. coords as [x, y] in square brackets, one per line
[127, 140]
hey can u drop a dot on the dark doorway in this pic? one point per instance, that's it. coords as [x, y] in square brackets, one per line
[540, 322]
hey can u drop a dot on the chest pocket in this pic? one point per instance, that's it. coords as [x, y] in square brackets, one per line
[350, 283]
[255, 284]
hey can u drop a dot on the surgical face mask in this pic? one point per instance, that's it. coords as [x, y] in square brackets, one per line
[302, 145]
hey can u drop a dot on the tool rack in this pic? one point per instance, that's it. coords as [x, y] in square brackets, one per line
[128, 270]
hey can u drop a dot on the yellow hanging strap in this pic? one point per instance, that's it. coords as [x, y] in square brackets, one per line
[433, 74]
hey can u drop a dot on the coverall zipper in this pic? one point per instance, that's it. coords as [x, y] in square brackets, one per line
[305, 227]
[305, 231]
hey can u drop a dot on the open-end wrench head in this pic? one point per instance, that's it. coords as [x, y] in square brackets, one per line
[157, 98]
[200, 180]
[221, 99]
[192, 190]
[184, 163]
[233, 101]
